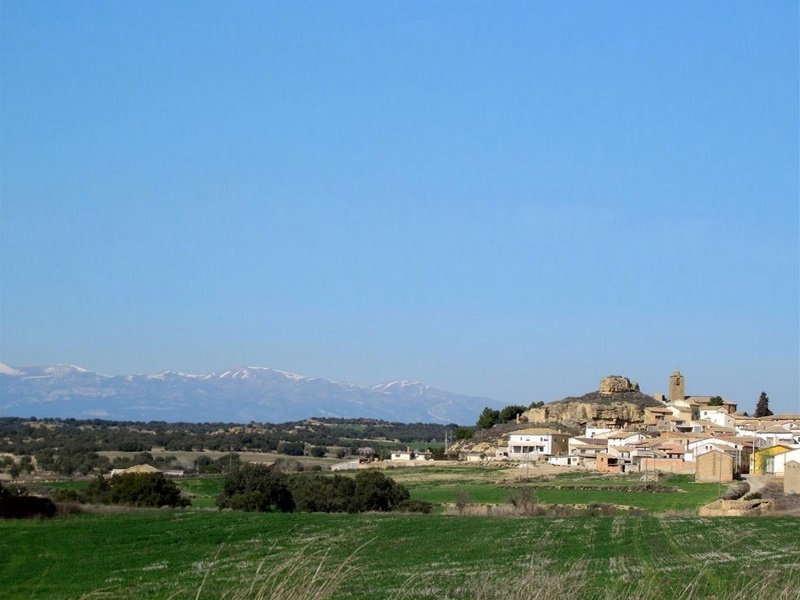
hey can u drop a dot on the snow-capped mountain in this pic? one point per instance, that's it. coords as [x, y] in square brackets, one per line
[235, 395]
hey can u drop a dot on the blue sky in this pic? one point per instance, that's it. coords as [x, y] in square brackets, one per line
[502, 199]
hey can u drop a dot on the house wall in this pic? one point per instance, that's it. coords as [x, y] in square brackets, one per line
[763, 461]
[782, 459]
[667, 465]
[713, 467]
[791, 478]
[607, 463]
[524, 445]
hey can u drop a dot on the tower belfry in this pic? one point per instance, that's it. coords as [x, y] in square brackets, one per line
[676, 386]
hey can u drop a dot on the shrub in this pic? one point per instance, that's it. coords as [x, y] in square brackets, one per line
[16, 504]
[145, 489]
[318, 493]
[256, 488]
[415, 506]
[735, 492]
[375, 491]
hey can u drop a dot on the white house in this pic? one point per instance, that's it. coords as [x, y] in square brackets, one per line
[593, 431]
[780, 460]
[350, 465]
[624, 438]
[567, 461]
[776, 434]
[707, 444]
[587, 446]
[535, 443]
[410, 455]
[717, 416]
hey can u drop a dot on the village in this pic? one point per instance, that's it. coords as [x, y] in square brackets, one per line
[704, 436]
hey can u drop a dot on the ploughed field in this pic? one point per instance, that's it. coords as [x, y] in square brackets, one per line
[210, 554]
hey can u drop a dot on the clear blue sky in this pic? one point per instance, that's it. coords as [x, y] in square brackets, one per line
[505, 199]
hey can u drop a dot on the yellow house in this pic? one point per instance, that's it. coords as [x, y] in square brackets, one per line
[762, 462]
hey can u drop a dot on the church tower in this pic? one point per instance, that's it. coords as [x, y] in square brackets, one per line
[676, 386]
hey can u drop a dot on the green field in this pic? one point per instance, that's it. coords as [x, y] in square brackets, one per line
[482, 485]
[209, 554]
[485, 485]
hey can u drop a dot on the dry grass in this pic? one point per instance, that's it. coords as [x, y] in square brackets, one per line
[313, 576]
[305, 575]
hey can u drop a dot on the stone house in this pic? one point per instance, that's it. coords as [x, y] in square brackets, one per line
[791, 478]
[714, 466]
[610, 463]
[655, 418]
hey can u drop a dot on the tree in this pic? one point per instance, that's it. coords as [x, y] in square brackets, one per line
[375, 491]
[318, 451]
[488, 418]
[320, 493]
[510, 413]
[464, 433]
[134, 489]
[762, 408]
[716, 401]
[256, 488]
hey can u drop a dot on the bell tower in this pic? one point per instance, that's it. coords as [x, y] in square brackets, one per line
[676, 386]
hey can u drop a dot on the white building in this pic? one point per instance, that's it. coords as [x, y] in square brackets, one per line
[536, 443]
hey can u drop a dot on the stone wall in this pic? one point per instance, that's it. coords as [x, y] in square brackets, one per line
[714, 467]
[736, 508]
[791, 478]
[668, 465]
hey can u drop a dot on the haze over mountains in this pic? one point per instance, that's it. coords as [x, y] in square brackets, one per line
[235, 395]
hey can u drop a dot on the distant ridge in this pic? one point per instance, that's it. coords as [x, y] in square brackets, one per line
[241, 394]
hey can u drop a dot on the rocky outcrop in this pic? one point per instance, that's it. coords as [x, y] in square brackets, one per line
[616, 384]
[621, 409]
[618, 403]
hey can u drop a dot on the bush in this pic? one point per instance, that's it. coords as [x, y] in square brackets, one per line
[151, 490]
[146, 490]
[415, 506]
[16, 504]
[736, 492]
[319, 493]
[256, 488]
[375, 491]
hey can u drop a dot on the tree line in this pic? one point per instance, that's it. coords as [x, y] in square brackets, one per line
[71, 446]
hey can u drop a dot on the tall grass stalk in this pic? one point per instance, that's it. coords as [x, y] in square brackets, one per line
[302, 575]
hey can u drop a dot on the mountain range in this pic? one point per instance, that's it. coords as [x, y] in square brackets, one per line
[236, 395]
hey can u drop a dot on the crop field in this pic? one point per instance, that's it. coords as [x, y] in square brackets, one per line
[487, 485]
[210, 554]
[492, 485]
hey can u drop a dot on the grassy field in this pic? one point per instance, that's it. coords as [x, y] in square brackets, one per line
[493, 485]
[209, 554]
